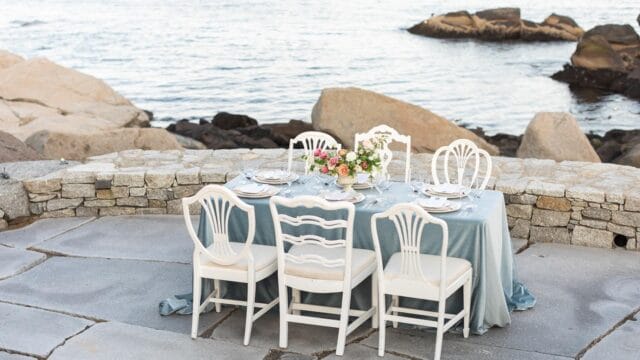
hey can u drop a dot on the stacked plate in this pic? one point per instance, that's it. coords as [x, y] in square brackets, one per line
[275, 177]
[438, 205]
[353, 197]
[449, 191]
[255, 190]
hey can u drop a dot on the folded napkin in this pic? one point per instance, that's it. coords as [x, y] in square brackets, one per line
[449, 188]
[252, 188]
[339, 196]
[433, 203]
[273, 174]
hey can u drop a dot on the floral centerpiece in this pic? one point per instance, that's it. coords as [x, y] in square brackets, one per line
[347, 164]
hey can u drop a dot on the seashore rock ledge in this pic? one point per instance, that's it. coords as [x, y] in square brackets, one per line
[38, 96]
[498, 25]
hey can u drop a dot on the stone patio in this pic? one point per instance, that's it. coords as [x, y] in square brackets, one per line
[89, 288]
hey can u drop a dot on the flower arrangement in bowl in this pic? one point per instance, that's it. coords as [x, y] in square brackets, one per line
[347, 164]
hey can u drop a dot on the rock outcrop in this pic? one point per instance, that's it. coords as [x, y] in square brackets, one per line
[8, 59]
[607, 57]
[12, 149]
[556, 136]
[56, 145]
[37, 94]
[498, 25]
[230, 131]
[343, 112]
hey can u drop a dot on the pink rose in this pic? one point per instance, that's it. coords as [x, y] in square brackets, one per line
[324, 155]
[324, 170]
[317, 152]
[334, 160]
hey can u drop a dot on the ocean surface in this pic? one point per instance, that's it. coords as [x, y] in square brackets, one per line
[270, 59]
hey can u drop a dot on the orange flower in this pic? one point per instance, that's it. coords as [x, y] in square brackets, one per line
[342, 152]
[343, 170]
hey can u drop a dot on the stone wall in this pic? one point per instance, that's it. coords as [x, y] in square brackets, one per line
[569, 202]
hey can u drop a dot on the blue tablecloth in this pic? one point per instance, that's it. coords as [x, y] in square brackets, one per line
[480, 235]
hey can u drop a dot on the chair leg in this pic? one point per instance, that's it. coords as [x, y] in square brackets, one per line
[295, 299]
[440, 329]
[251, 299]
[383, 323]
[374, 299]
[284, 303]
[197, 292]
[217, 294]
[395, 301]
[344, 322]
[436, 356]
[467, 306]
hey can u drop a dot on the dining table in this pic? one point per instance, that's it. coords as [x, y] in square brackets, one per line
[478, 232]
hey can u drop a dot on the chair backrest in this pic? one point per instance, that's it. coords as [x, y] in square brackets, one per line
[409, 221]
[311, 140]
[390, 134]
[217, 203]
[311, 238]
[463, 151]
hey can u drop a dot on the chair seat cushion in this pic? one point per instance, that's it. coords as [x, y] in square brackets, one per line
[263, 256]
[361, 259]
[430, 264]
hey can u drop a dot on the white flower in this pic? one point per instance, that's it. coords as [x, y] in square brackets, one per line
[351, 156]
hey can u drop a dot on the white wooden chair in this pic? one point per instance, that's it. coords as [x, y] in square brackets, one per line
[385, 153]
[411, 274]
[227, 260]
[311, 140]
[319, 265]
[463, 151]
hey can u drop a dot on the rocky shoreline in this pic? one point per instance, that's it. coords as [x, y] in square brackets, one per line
[231, 131]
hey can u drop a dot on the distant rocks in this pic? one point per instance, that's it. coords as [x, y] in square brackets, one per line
[230, 131]
[618, 146]
[346, 111]
[556, 136]
[498, 25]
[56, 145]
[607, 57]
[12, 149]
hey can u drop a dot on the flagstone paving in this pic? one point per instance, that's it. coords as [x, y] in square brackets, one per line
[160, 238]
[40, 231]
[96, 297]
[14, 261]
[34, 331]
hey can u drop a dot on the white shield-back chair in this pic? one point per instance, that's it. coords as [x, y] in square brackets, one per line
[316, 264]
[409, 273]
[311, 140]
[464, 152]
[226, 259]
[386, 155]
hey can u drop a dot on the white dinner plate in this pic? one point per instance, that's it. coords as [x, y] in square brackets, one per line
[449, 191]
[449, 207]
[275, 177]
[256, 191]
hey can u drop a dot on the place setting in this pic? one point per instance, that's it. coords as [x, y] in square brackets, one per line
[275, 177]
[256, 190]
